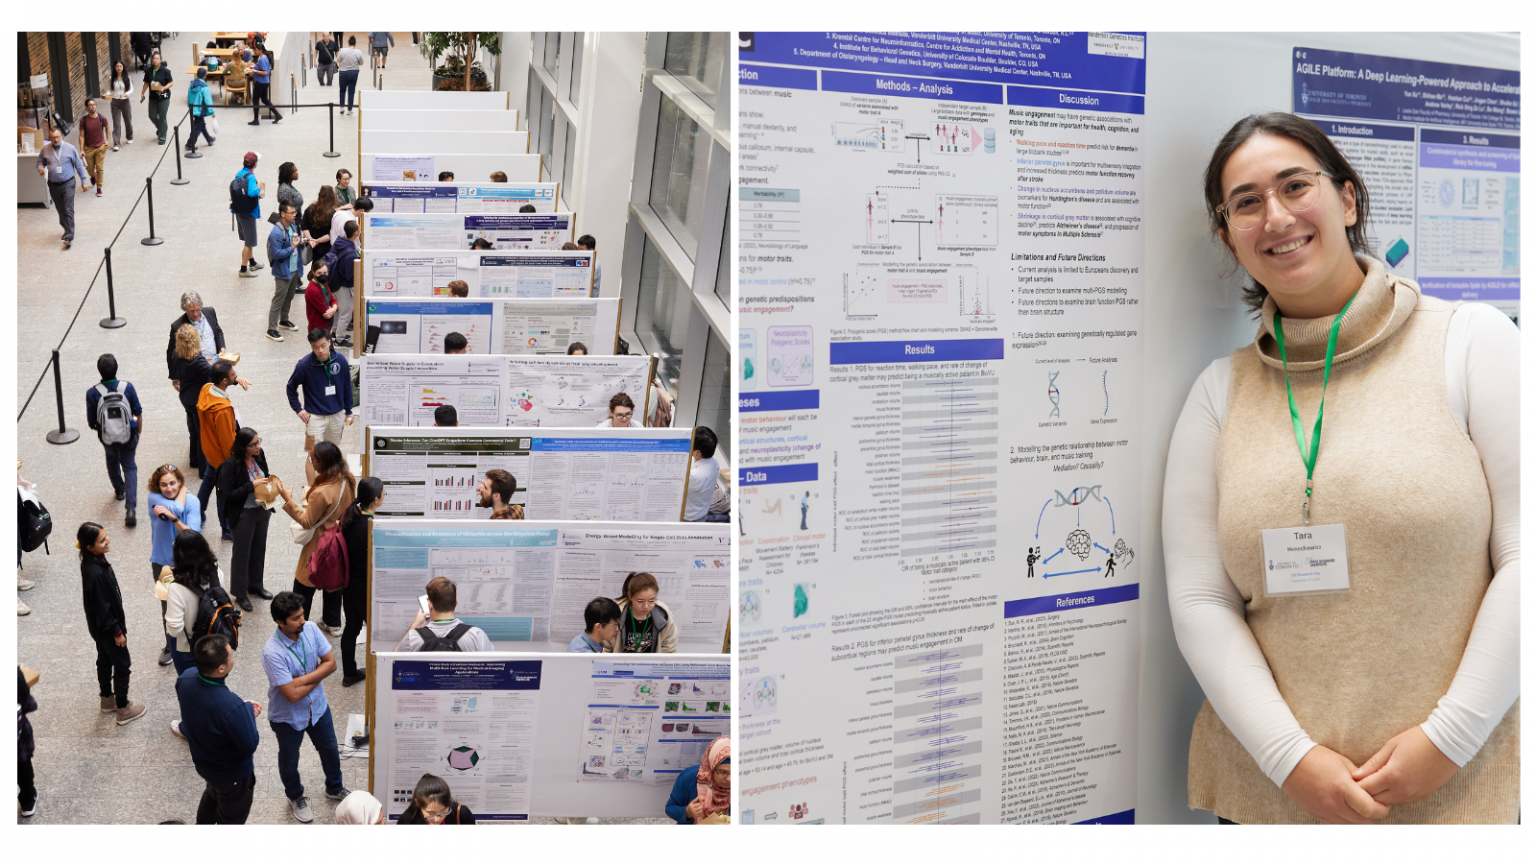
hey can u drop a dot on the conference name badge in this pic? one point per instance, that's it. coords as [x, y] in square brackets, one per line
[1307, 559]
[330, 390]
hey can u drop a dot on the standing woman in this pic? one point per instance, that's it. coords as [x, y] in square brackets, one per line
[647, 626]
[239, 475]
[192, 371]
[106, 622]
[354, 597]
[173, 511]
[122, 106]
[288, 193]
[317, 221]
[1391, 698]
[344, 191]
[196, 570]
[332, 489]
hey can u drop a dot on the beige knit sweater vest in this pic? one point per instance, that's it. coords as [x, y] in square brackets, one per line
[1407, 484]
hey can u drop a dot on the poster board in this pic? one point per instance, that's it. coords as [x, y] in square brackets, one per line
[500, 326]
[532, 274]
[435, 197]
[615, 475]
[987, 369]
[424, 165]
[527, 584]
[384, 141]
[499, 390]
[438, 120]
[557, 727]
[430, 100]
[504, 231]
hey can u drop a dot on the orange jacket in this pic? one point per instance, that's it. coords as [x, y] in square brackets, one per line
[216, 417]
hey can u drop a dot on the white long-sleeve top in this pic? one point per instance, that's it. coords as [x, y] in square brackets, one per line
[181, 612]
[1482, 376]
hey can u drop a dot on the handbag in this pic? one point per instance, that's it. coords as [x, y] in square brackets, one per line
[302, 535]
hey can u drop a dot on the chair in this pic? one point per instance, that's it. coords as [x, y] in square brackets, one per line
[242, 90]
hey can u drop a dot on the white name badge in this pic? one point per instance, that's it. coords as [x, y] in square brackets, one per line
[330, 390]
[1308, 559]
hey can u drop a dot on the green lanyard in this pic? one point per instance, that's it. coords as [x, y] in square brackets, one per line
[1309, 459]
[304, 660]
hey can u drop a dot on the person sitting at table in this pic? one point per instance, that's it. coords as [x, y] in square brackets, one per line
[234, 77]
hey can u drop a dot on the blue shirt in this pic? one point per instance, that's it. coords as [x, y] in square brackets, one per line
[684, 789]
[280, 249]
[285, 660]
[262, 70]
[163, 531]
[92, 397]
[251, 189]
[315, 377]
[583, 644]
[63, 162]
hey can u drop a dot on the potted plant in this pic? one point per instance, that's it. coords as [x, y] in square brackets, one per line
[460, 71]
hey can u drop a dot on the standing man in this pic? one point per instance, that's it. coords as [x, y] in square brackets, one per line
[349, 61]
[438, 628]
[261, 86]
[220, 729]
[217, 424]
[60, 163]
[381, 42]
[283, 251]
[341, 264]
[297, 659]
[157, 88]
[327, 384]
[112, 409]
[703, 476]
[205, 321]
[93, 143]
[325, 60]
[589, 243]
[496, 493]
[245, 196]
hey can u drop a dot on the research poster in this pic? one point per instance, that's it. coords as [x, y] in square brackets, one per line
[940, 270]
[609, 475]
[531, 581]
[451, 198]
[647, 722]
[497, 390]
[1438, 146]
[473, 723]
[529, 275]
[500, 326]
[503, 231]
[387, 169]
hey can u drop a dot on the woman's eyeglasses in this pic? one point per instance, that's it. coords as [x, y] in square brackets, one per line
[1297, 192]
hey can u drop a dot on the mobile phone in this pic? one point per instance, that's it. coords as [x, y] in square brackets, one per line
[423, 601]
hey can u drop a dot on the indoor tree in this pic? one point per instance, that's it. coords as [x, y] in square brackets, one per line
[460, 47]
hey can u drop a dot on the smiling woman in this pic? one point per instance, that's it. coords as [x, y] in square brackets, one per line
[1372, 678]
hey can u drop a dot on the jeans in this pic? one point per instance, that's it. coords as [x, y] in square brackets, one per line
[249, 557]
[199, 127]
[181, 660]
[63, 195]
[158, 109]
[227, 803]
[330, 604]
[348, 88]
[322, 734]
[282, 295]
[262, 93]
[122, 120]
[354, 602]
[112, 669]
[325, 73]
[123, 471]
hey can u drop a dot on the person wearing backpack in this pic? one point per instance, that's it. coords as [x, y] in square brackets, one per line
[220, 729]
[331, 491]
[33, 525]
[245, 195]
[112, 410]
[174, 510]
[196, 601]
[354, 597]
[200, 107]
[438, 629]
[297, 658]
[239, 477]
[106, 622]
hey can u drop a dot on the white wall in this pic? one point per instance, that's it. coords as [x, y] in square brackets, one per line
[1198, 85]
[612, 70]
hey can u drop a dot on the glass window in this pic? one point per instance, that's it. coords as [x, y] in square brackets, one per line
[697, 58]
[678, 175]
[715, 392]
[533, 105]
[576, 51]
[661, 316]
[552, 53]
[723, 271]
[547, 129]
[566, 166]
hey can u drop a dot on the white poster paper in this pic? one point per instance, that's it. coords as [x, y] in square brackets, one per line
[387, 169]
[529, 274]
[503, 231]
[414, 327]
[647, 722]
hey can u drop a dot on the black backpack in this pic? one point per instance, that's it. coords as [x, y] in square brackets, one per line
[216, 616]
[33, 524]
[432, 642]
[240, 200]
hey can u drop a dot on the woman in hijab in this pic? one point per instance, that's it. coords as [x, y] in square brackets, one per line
[702, 793]
[359, 808]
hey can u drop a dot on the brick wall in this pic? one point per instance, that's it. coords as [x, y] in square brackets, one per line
[37, 52]
[75, 63]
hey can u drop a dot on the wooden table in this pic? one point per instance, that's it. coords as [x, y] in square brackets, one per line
[213, 75]
[224, 40]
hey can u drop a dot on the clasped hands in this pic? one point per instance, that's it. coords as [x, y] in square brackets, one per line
[1329, 787]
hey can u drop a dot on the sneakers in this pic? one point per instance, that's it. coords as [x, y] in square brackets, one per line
[30, 812]
[176, 729]
[300, 804]
[337, 796]
[334, 631]
[129, 139]
[109, 703]
[22, 609]
[355, 678]
[129, 714]
[211, 140]
[114, 147]
[287, 325]
[343, 342]
[98, 190]
[249, 274]
[165, 656]
[24, 584]
[255, 265]
[274, 336]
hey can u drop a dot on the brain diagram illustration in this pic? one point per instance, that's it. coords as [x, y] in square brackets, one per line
[1078, 524]
[751, 606]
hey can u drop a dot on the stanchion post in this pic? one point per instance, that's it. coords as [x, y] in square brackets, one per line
[149, 197]
[331, 153]
[180, 180]
[63, 434]
[112, 322]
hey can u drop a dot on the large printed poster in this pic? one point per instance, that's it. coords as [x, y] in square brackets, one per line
[527, 275]
[940, 269]
[451, 198]
[503, 231]
[647, 722]
[1438, 147]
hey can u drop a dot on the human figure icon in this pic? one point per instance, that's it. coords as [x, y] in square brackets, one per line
[805, 508]
[1109, 567]
[1032, 557]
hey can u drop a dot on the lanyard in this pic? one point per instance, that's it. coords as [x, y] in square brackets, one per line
[1309, 459]
[304, 660]
[219, 683]
[327, 367]
[253, 469]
